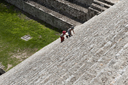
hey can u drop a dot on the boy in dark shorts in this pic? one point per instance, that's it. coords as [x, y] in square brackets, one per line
[69, 31]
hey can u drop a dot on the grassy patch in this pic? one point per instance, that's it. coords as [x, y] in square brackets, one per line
[14, 25]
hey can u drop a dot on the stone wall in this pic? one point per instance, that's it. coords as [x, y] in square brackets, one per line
[17, 3]
[41, 14]
[82, 2]
[68, 9]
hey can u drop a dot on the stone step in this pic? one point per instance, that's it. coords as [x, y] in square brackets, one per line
[116, 62]
[51, 17]
[121, 39]
[118, 39]
[66, 8]
[84, 3]
[115, 70]
[60, 69]
[121, 79]
[102, 4]
[97, 7]
[107, 2]
[90, 71]
[97, 12]
[97, 68]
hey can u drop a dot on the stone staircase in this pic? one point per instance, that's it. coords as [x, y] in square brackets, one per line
[66, 8]
[55, 14]
[99, 6]
[95, 55]
[74, 9]
[62, 14]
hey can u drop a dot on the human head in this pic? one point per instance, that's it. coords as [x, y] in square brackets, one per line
[64, 32]
[72, 27]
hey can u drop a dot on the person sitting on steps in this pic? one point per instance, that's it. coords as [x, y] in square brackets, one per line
[70, 31]
[62, 36]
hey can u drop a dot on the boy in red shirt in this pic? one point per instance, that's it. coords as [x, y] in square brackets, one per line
[62, 36]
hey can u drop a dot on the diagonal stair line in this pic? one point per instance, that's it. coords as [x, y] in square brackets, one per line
[113, 69]
[117, 80]
[109, 62]
[102, 4]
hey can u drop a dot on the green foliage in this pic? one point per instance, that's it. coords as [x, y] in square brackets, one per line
[14, 25]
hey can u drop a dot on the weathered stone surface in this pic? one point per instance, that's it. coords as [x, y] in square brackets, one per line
[82, 2]
[66, 8]
[87, 2]
[95, 55]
